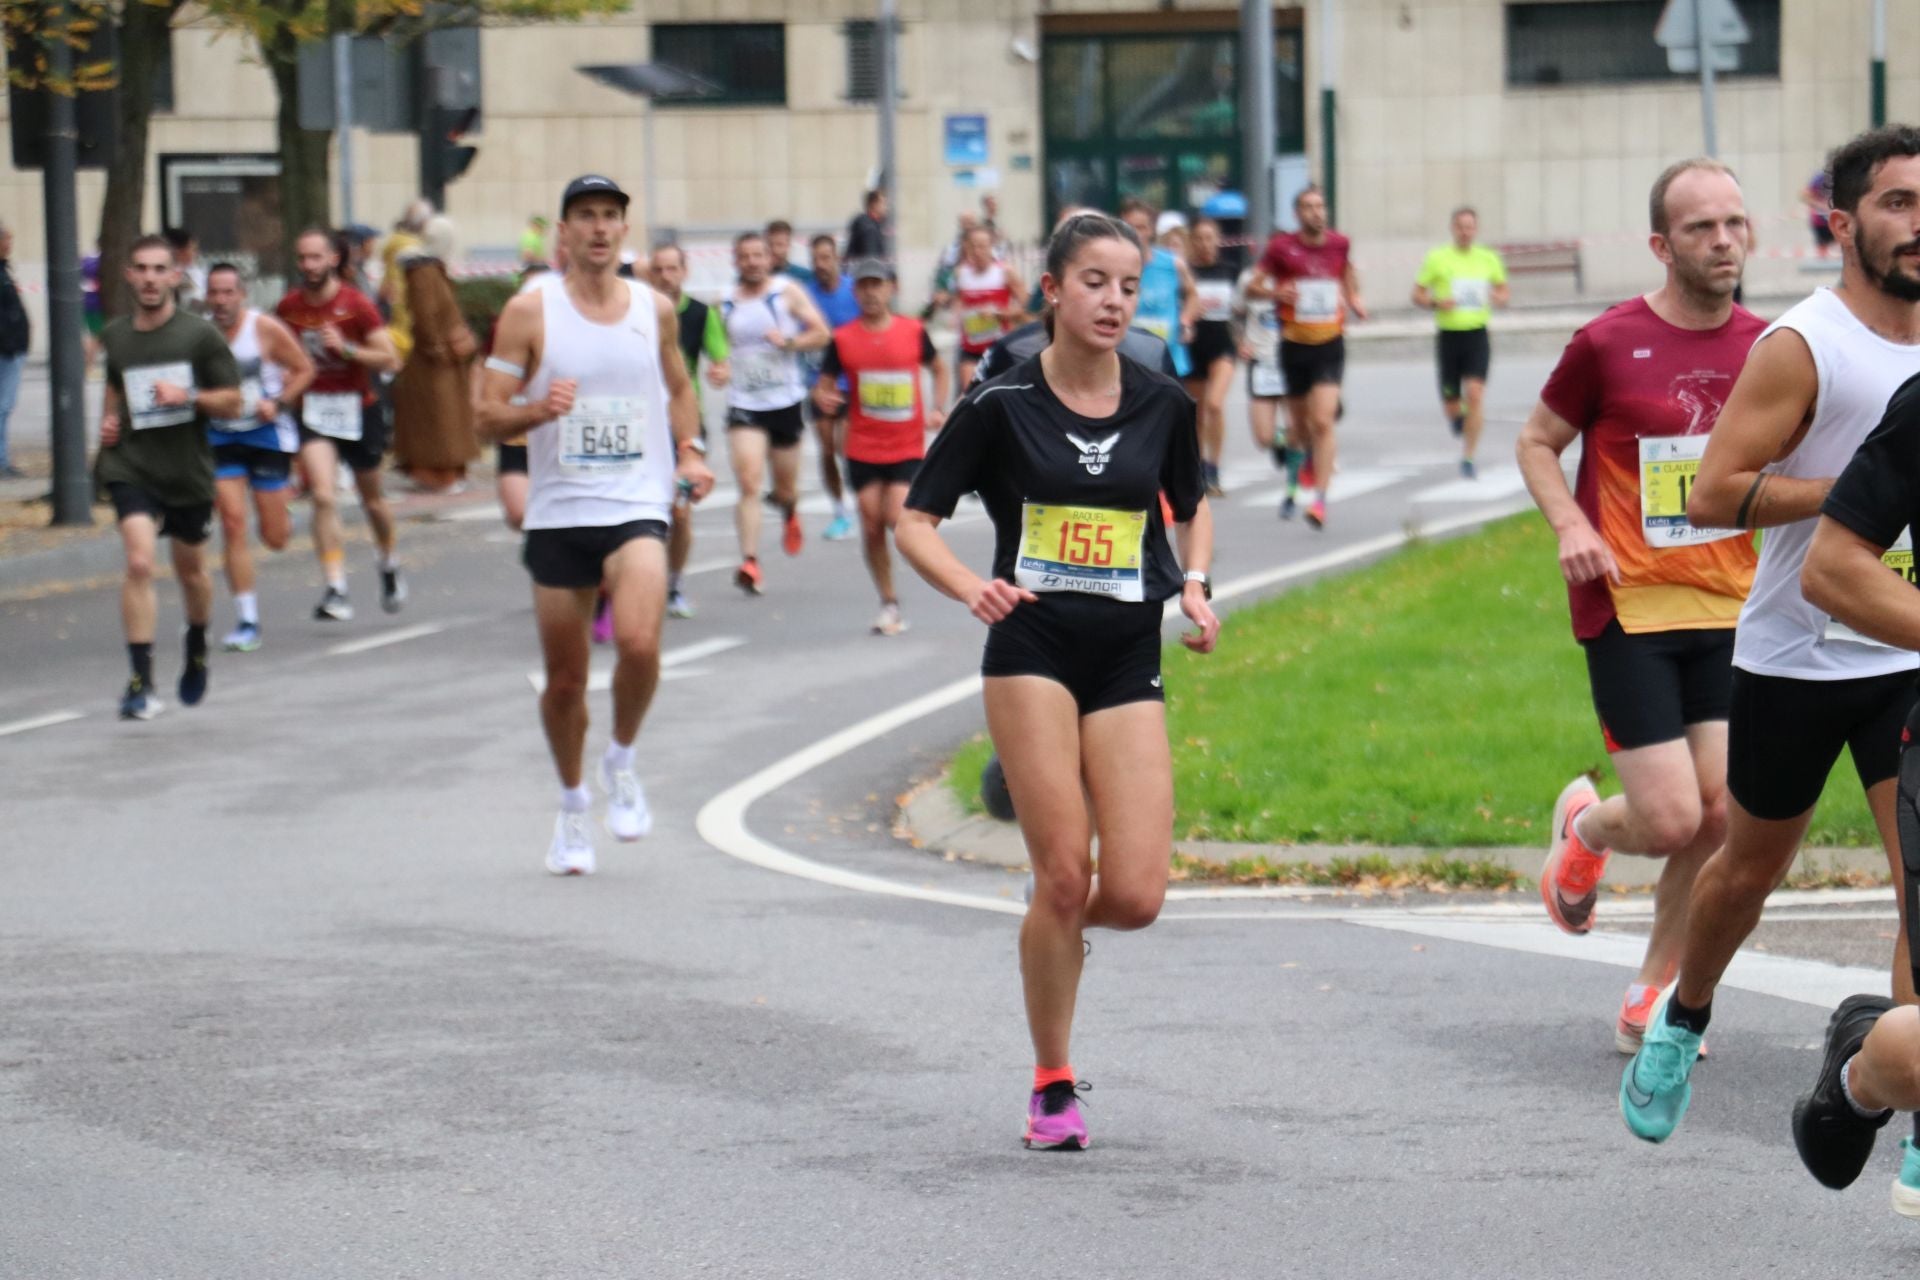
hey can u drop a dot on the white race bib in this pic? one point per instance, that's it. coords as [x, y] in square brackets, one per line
[1317, 302]
[143, 402]
[249, 409]
[1668, 466]
[1216, 299]
[601, 435]
[888, 395]
[1265, 380]
[334, 414]
[1899, 558]
[762, 368]
[1470, 295]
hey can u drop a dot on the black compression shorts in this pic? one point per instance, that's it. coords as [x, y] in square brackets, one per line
[1784, 736]
[1462, 354]
[510, 459]
[861, 474]
[1308, 365]
[784, 427]
[577, 558]
[1107, 654]
[1647, 688]
[364, 454]
[1212, 340]
[189, 524]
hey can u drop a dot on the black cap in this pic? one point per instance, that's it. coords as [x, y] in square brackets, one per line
[591, 184]
[870, 269]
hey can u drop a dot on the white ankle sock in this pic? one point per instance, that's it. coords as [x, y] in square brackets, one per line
[575, 799]
[619, 757]
[1846, 1089]
[1581, 835]
[246, 606]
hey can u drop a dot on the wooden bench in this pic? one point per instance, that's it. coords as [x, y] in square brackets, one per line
[1538, 257]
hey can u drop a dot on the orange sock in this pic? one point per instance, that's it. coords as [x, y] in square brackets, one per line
[1044, 1076]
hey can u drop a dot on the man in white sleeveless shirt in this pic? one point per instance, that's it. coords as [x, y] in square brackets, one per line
[1805, 686]
[612, 427]
[770, 319]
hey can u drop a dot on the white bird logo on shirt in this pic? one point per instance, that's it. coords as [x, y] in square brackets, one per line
[1094, 456]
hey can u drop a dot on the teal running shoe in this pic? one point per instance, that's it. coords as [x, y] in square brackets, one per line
[1906, 1187]
[1654, 1089]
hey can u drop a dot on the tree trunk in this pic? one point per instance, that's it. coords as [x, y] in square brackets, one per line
[303, 154]
[143, 29]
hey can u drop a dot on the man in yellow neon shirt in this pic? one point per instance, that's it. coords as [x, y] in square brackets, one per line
[1461, 283]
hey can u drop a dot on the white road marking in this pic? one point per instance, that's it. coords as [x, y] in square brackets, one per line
[398, 635]
[41, 722]
[1494, 484]
[601, 679]
[708, 566]
[1347, 485]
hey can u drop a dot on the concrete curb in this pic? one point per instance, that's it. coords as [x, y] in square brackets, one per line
[934, 820]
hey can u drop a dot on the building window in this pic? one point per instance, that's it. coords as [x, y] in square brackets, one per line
[1555, 42]
[748, 60]
[863, 61]
[163, 77]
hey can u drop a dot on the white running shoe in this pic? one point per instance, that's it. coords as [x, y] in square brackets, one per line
[889, 623]
[571, 853]
[627, 814]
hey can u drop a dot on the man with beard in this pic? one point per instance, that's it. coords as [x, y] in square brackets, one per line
[1654, 601]
[341, 419]
[168, 374]
[1804, 685]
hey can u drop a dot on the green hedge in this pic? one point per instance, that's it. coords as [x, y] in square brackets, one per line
[482, 298]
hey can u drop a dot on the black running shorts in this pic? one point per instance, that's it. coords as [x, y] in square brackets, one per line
[784, 427]
[1785, 735]
[364, 454]
[510, 459]
[861, 474]
[1463, 354]
[1212, 340]
[190, 524]
[1308, 365]
[1107, 654]
[576, 558]
[1909, 819]
[1648, 688]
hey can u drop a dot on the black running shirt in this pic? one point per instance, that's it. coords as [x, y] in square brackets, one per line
[1878, 495]
[1075, 502]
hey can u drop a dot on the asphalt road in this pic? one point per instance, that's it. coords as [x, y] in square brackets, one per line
[287, 991]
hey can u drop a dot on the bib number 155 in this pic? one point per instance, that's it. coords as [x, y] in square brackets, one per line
[1085, 543]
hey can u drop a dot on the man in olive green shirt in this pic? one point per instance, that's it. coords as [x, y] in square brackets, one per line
[168, 373]
[1461, 283]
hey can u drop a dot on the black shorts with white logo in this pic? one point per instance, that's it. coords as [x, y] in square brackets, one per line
[784, 427]
[364, 454]
[1105, 653]
[1785, 735]
[576, 559]
[190, 524]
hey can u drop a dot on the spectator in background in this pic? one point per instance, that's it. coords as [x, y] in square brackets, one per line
[190, 294]
[433, 438]
[1817, 195]
[15, 334]
[867, 234]
[990, 214]
[354, 244]
[949, 259]
[779, 236]
[404, 241]
[533, 241]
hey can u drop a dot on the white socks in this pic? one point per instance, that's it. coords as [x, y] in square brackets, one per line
[619, 757]
[246, 607]
[1846, 1088]
[575, 799]
[1580, 835]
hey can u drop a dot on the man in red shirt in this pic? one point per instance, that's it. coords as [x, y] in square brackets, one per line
[341, 419]
[1316, 286]
[1654, 600]
[888, 418]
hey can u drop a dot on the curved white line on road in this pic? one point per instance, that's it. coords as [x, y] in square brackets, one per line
[722, 821]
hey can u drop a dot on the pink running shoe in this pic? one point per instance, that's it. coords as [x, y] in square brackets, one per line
[1569, 881]
[1635, 1009]
[1053, 1118]
[603, 621]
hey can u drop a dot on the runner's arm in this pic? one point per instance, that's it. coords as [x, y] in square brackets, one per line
[1016, 313]
[814, 333]
[111, 416]
[942, 382]
[217, 374]
[1771, 401]
[1584, 554]
[1844, 576]
[377, 353]
[1350, 285]
[515, 345]
[281, 347]
[683, 403]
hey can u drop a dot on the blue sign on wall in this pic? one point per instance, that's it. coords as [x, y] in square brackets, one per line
[966, 138]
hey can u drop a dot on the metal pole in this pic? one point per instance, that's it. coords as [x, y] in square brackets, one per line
[343, 120]
[650, 182]
[1329, 78]
[1878, 107]
[888, 88]
[1256, 61]
[1709, 134]
[72, 486]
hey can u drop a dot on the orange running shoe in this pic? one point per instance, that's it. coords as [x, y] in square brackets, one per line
[1636, 1007]
[1317, 513]
[1569, 881]
[747, 578]
[794, 537]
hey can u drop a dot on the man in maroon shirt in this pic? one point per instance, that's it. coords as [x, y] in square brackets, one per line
[1654, 600]
[341, 419]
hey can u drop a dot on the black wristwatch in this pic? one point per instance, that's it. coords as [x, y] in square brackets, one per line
[1206, 583]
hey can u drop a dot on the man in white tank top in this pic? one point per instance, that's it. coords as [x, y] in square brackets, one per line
[1805, 687]
[257, 451]
[612, 428]
[770, 319]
